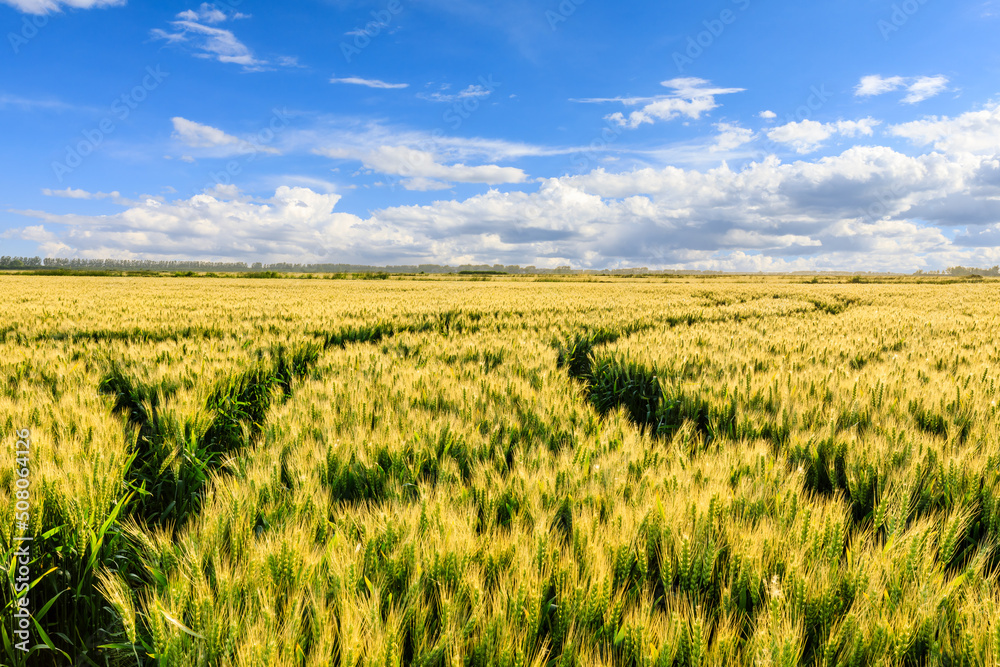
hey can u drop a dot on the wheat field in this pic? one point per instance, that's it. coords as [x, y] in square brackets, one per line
[503, 471]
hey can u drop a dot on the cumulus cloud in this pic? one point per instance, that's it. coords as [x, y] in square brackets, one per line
[422, 170]
[731, 136]
[689, 96]
[867, 208]
[217, 142]
[47, 6]
[220, 223]
[767, 115]
[805, 136]
[370, 83]
[976, 132]
[918, 88]
[808, 136]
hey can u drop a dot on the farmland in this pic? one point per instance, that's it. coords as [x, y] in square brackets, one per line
[502, 471]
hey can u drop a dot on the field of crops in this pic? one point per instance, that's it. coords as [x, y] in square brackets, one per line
[503, 471]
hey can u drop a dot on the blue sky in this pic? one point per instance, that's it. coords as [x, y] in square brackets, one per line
[729, 134]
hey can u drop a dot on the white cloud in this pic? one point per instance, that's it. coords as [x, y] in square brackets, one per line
[867, 208]
[217, 43]
[918, 88]
[46, 6]
[730, 137]
[876, 84]
[473, 91]
[290, 133]
[196, 29]
[31, 104]
[976, 132]
[924, 88]
[808, 136]
[207, 13]
[220, 144]
[689, 96]
[169, 37]
[852, 128]
[71, 193]
[303, 180]
[372, 28]
[371, 83]
[221, 223]
[767, 115]
[805, 136]
[421, 170]
[355, 138]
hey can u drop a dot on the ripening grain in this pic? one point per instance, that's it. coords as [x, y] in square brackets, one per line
[505, 472]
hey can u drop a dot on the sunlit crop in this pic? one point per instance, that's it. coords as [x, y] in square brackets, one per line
[504, 472]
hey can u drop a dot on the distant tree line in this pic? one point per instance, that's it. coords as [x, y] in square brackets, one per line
[33, 263]
[969, 271]
[27, 263]
[7, 262]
